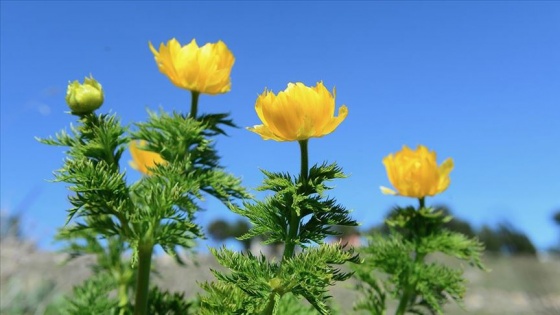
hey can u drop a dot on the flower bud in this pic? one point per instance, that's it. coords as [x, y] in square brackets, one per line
[84, 98]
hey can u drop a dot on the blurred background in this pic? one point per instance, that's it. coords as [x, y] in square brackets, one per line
[475, 81]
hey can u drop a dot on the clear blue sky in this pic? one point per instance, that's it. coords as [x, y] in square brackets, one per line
[475, 81]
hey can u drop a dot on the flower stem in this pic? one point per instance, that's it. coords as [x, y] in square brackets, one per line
[295, 218]
[409, 290]
[403, 304]
[294, 221]
[292, 234]
[304, 161]
[194, 104]
[269, 309]
[143, 280]
[123, 297]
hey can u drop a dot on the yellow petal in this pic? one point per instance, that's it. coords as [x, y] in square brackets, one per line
[387, 191]
[444, 171]
[203, 69]
[264, 132]
[415, 173]
[143, 160]
[297, 113]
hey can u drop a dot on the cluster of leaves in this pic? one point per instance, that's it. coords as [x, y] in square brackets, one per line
[96, 296]
[501, 239]
[100, 192]
[111, 218]
[157, 209]
[395, 264]
[93, 297]
[253, 282]
[297, 214]
[297, 199]
[168, 197]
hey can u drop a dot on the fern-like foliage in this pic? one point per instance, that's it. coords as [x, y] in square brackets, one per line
[290, 304]
[318, 213]
[169, 197]
[311, 273]
[95, 296]
[253, 280]
[99, 189]
[109, 216]
[158, 209]
[92, 297]
[255, 285]
[169, 303]
[395, 265]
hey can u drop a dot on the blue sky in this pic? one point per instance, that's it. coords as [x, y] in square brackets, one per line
[475, 81]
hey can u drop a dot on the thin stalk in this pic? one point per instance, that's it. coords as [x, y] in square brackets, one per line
[194, 104]
[294, 222]
[408, 292]
[304, 161]
[292, 234]
[403, 304]
[143, 280]
[269, 309]
[294, 217]
[123, 297]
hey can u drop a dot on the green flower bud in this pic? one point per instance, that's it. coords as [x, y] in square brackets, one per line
[84, 98]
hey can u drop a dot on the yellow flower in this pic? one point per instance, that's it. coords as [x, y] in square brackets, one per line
[415, 173]
[84, 98]
[143, 160]
[297, 113]
[203, 69]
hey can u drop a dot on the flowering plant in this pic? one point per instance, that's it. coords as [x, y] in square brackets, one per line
[175, 153]
[414, 234]
[298, 215]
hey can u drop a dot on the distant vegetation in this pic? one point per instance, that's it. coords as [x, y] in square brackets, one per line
[503, 239]
[10, 226]
[556, 219]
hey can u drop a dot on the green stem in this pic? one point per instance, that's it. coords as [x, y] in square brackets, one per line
[124, 223]
[295, 218]
[123, 298]
[292, 234]
[143, 280]
[409, 291]
[269, 309]
[403, 304]
[194, 104]
[304, 161]
[294, 221]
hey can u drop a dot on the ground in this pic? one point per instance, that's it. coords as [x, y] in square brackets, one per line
[30, 279]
